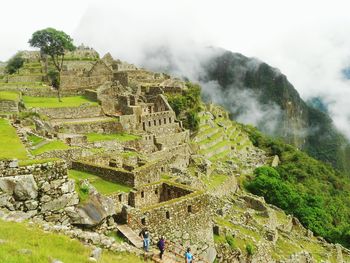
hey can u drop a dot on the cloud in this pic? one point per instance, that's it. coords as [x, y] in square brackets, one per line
[307, 40]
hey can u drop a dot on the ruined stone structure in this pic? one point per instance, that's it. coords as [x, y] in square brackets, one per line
[43, 190]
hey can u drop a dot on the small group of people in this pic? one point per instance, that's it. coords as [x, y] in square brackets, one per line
[161, 246]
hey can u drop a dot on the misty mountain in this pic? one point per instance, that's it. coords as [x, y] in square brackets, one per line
[258, 94]
[283, 113]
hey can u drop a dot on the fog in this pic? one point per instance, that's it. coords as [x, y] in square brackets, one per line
[307, 40]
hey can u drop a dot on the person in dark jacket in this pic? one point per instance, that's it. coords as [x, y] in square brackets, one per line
[161, 246]
[146, 239]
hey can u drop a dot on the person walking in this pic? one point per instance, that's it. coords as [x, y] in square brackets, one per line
[188, 256]
[161, 247]
[146, 239]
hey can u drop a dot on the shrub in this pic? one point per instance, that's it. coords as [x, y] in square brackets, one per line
[250, 249]
[14, 64]
[231, 241]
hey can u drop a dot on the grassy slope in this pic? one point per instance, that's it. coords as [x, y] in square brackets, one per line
[102, 186]
[10, 144]
[45, 102]
[54, 145]
[47, 246]
[9, 95]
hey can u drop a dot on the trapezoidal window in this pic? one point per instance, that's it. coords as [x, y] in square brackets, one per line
[149, 123]
[167, 215]
[156, 191]
[120, 197]
[143, 221]
[160, 122]
[189, 209]
[155, 122]
[164, 120]
[144, 126]
[169, 120]
[142, 194]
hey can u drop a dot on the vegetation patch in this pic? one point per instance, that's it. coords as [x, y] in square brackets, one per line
[37, 161]
[50, 146]
[52, 102]
[214, 180]
[121, 137]
[101, 185]
[9, 95]
[35, 140]
[44, 247]
[10, 145]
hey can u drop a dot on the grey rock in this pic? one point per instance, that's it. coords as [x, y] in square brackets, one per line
[22, 187]
[96, 253]
[94, 211]
[60, 202]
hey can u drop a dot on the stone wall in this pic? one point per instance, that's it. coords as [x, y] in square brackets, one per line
[8, 106]
[103, 126]
[25, 78]
[108, 173]
[185, 221]
[155, 193]
[42, 91]
[43, 190]
[84, 111]
[68, 155]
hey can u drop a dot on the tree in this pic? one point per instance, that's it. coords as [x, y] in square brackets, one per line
[14, 64]
[54, 44]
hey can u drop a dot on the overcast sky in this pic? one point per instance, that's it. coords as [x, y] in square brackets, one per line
[309, 41]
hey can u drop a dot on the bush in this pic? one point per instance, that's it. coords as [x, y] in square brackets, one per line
[187, 106]
[231, 241]
[250, 249]
[14, 64]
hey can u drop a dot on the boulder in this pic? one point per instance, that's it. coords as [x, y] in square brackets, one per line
[22, 187]
[94, 211]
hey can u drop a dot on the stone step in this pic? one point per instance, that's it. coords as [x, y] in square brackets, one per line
[130, 235]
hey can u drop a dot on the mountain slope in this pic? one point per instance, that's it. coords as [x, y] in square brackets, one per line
[296, 122]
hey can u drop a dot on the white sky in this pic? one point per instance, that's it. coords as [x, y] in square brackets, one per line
[308, 40]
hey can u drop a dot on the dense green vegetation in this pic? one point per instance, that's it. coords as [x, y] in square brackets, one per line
[187, 106]
[10, 145]
[25, 244]
[45, 102]
[309, 189]
[14, 63]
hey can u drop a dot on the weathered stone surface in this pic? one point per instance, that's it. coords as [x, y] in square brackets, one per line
[22, 187]
[94, 211]
[96, 253]
[60, 202]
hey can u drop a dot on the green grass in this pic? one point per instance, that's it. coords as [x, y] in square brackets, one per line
[45, 247]
[52, 102]
[10, 145]
[35, 139]
[53, 145]
[121, 137]
[9, 95]
[102, 186]
[215, 180]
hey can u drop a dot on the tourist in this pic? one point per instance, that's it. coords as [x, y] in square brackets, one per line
[161, 246]
[146, 239]
[188, 256]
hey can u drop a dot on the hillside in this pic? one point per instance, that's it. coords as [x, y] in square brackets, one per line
[296, 122]
[127, 149]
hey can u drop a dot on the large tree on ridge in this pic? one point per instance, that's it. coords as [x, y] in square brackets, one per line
[53, 43]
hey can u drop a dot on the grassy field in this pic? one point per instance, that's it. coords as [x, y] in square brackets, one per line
[121, 137]
[52, 102]
[10, 144]
[9, 95]
[102, 186]
[35, 139]
[43, 247]
[53, 145]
